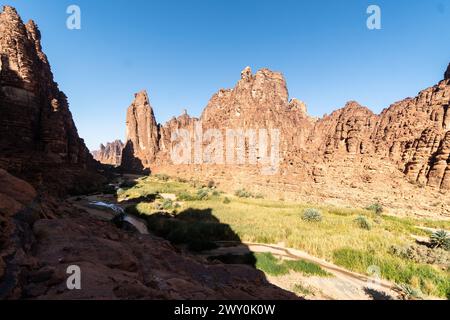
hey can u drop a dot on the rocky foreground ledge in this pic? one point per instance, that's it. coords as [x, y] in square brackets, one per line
[35, 253]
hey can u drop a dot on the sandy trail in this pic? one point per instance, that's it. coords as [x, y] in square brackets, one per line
[343, 285]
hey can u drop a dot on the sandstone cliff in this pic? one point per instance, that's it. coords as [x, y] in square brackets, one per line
[37, 132]
[142, 135]
[352, 155]
[110, 154]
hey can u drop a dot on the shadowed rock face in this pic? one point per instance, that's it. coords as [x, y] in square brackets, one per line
[447, 73]
[35, 254]
[110, 154]
[36, 126]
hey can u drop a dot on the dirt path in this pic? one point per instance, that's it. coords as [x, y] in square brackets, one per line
[343, 285]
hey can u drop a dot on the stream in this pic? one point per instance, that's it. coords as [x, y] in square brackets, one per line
[136, 222]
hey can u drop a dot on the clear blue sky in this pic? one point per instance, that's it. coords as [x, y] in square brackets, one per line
[183, 52]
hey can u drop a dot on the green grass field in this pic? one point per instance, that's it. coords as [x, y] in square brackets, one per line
[337, 238]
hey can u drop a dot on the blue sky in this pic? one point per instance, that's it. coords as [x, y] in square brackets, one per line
[183, 52]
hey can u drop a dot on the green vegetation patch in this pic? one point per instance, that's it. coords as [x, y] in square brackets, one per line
[430, 280]
[269, 264]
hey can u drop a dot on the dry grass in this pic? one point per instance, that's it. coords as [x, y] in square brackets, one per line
[267, 221]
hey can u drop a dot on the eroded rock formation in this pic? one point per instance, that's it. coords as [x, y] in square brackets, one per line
[410, 139]
[37, 132]
[142, 135]
[110, 154]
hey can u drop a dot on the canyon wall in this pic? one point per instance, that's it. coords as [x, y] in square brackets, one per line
[37, 132]
[349, 154]
[110, 154]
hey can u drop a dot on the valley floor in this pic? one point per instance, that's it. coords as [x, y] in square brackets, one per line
[380, 260]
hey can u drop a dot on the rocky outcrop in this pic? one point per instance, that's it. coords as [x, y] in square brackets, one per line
[447, 73]
[110, 154]
[37, 132]
[19, 208]
[260, 101]
[142, 134]
[346, 131]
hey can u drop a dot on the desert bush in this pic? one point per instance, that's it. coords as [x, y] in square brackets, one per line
[421, 254]
[376, 207]
[302, 290]
[242, 193]
[167, 204]
[440, 239]
[312, 215]
[216, 193]
[259, 196]
[202, 194]
[409, 292]
[226, 200]
[186, 196]
[363, 223]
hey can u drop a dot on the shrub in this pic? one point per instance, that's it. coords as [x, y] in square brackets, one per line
[363, 223]
[302, 290]
[376, 207]
[216, 193]
[259, 196]
[185, 196]
[242, 193]
[202, 194]
[409, 292]
[421, 254]
[226, 200]
[167, 204]
[440, 239]
[312, 215]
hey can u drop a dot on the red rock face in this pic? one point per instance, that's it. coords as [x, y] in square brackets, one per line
[142, 135]
[408, 139]
[110, 154]
[411, 133]
[36, 126]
